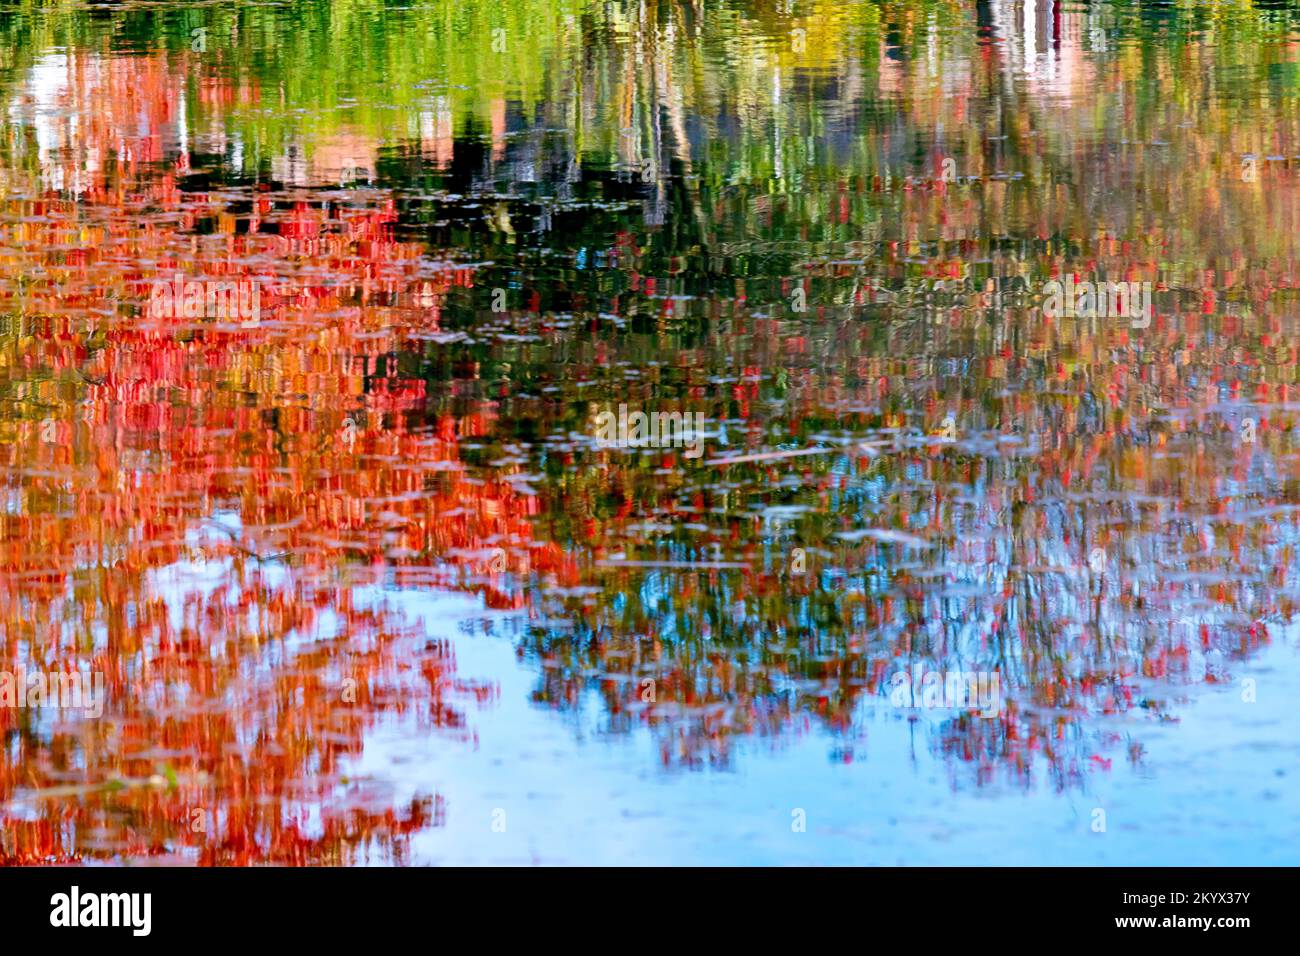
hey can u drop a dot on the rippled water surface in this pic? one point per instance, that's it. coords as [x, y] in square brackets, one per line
[363, 574]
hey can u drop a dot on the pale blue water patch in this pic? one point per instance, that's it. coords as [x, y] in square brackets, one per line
[1219, 786]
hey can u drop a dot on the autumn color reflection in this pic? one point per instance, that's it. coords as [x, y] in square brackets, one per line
[197, 501]
[833, 250]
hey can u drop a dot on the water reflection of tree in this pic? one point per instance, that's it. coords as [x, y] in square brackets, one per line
[150, 454]
[468, 429]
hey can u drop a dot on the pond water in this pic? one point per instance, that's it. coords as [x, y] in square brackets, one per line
[550, 431]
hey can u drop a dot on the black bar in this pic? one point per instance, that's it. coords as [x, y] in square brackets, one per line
[382, 906]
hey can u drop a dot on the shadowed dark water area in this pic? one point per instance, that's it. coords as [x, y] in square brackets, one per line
[367, 581]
